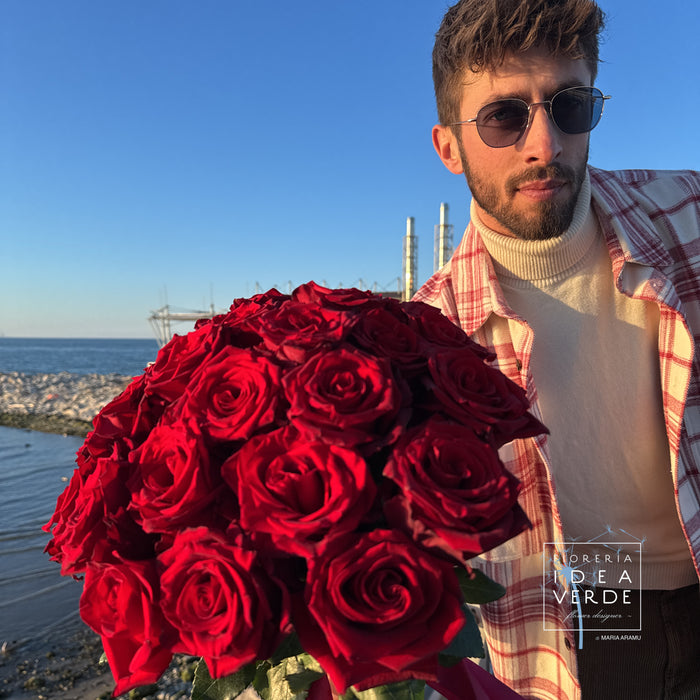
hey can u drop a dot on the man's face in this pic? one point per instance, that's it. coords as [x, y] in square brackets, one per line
[528, 190]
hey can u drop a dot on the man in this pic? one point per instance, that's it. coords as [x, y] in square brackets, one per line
[585, 285]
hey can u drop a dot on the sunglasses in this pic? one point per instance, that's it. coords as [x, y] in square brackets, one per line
[574, 110]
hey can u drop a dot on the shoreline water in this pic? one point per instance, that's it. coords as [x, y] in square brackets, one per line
[59, 659]
[46, 651]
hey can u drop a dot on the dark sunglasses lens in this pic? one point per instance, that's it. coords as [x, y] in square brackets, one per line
[502, 123]
[577, 110]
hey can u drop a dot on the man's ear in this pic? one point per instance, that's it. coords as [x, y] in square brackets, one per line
[445, 143]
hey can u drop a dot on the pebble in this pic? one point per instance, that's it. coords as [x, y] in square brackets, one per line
[73, 396]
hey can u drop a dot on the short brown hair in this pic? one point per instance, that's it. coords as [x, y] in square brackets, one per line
[477, 34]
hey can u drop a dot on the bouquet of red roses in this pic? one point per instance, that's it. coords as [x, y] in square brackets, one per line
[296, 484]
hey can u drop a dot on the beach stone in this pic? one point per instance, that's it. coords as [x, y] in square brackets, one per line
[58, 403]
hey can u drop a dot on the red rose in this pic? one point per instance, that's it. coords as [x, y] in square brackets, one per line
[378, 609]
[482, 397]
[119, 602]
[244, 312]
[78, 518]
[455, 494]
[300, 492]
[312, 293]
[245, 309]
[172, 482]
[233, 395]
[168, 376]
[384, 334]
[237, 326]
[437, 330]
[346, 397]
[90, 520]
[223, 604]
[121, 422]
[294, 331]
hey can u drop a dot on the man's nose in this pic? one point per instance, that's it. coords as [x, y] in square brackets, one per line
[542, 139]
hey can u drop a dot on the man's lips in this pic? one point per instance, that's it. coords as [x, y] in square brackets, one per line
[542, 189]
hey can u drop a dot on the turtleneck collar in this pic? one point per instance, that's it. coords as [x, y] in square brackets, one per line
[517, 260]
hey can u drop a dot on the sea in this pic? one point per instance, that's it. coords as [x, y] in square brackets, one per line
[125, 356]
[34, 469]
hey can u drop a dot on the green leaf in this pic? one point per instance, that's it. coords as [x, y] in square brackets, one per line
[227, 688]
[310, 662]
[261, 682]
[478, 588]
[403, 690]
[303, 680]
[290, 646]
[277, 677]
[467, 643]
[290, 679]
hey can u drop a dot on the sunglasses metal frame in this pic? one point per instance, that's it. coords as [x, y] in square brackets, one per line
[519, 133]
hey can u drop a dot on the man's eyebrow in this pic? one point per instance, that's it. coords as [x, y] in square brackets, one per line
[526, 96]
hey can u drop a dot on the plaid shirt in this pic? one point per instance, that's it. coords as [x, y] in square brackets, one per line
[651, 223]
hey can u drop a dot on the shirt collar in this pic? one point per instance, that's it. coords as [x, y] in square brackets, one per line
[626, 225]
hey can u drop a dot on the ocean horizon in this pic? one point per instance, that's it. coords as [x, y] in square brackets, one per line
[32, 355]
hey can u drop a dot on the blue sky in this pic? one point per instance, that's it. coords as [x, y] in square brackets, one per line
[196, 150]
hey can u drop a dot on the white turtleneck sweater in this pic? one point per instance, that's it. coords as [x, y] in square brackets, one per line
[596, 368]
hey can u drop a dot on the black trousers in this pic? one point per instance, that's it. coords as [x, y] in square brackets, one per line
[660, 662]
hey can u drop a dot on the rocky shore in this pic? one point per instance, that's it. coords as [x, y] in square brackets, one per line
[67, 666]
[56, 403]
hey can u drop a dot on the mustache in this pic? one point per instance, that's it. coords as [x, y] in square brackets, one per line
[554, 171]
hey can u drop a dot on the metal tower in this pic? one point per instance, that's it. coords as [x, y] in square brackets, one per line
[443, 239]
[410, 257]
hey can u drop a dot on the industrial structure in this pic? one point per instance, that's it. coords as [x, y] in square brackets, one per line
[410, 260]
[442, 251]
[443, 239]
[161, 321]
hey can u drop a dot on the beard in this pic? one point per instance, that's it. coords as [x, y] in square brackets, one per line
[550, 220]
